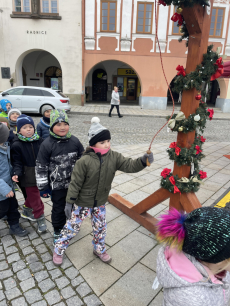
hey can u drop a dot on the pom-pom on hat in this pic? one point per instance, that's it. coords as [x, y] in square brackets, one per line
[204, 233]
[97, 132]
[23, 120]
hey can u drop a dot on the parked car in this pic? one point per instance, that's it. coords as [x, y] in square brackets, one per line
[32, 99]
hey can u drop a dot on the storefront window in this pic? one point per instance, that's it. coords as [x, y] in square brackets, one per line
[120, 85]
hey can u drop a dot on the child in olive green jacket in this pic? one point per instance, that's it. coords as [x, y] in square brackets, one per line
[89, 189]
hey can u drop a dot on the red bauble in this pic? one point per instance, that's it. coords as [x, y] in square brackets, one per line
[198, 97]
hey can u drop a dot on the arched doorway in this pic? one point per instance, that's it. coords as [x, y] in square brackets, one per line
[53, 78]
[99, 85]
[110, 73]
[32, 68]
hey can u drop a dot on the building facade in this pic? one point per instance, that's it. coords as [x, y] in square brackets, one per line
[86, 47]
[120, 49]
[41, 45]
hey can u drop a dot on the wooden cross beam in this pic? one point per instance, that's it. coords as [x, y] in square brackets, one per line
[198, 19]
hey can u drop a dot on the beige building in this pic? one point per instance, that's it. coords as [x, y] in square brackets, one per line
[41, 43]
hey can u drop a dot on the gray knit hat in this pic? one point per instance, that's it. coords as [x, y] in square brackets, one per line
[45, 108]
[4, 133]
[14, 110]
[97, 132]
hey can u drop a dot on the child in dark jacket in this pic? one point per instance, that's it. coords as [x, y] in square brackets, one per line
[24, 151]
[43, 127]
[13, 115]
[8, 202]
[54, 166]
[89, 189]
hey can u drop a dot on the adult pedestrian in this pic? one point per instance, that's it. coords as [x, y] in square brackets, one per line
[115, 101]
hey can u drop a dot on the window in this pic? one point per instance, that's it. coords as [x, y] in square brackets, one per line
[49, 6]
[22, 6]
[61, 94]
[108, 16]
[15, 92]
[144, 17]
[47, 93]
[217, 22]
[32, 92]
[175, 29]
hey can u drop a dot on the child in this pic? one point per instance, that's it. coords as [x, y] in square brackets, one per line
[5, 106]
[8, 202]
[55, 162]
[115, 101]
[89, 189]
[24, 151]
[192, 267]
[43, 127]
[13, 115]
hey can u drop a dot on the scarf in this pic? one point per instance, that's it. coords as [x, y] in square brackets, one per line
[12, 123]
[102, 151]
[28, 139]
[67, 136]
[46, 120]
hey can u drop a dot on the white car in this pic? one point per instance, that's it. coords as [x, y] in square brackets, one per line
[32, 99]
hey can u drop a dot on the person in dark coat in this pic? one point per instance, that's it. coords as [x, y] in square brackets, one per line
[55, 162]
[24, 151]
[8, 201]
[43, 127]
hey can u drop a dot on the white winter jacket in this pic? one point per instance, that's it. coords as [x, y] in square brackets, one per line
[199, 290]
[115, 98]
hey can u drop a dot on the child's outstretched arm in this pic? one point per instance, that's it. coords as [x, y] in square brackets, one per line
[77, 180]
[42, 168]
[130, 165]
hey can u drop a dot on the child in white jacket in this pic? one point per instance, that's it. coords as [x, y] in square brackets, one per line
[193, 266]
[115, 101]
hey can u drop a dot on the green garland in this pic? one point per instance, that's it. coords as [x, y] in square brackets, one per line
[183, 187]
[199, 77]
[185, 34]
[188, 156]
[189, 124]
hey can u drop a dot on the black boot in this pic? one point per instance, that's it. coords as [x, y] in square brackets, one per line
[120, 116]
[110, 115]
[17, 230]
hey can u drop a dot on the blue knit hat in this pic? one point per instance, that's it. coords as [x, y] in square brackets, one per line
[22, 120]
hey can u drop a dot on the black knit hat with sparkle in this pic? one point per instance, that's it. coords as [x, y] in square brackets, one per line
[207, 234]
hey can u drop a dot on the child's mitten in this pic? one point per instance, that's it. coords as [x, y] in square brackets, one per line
[68, 210]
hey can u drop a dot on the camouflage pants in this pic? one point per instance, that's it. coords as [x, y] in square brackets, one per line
[73, 225]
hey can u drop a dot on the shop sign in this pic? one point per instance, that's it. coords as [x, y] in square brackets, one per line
[126, 71]
[54, 83]
[36, 32]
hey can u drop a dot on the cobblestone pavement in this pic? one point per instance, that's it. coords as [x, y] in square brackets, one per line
[27, 274]
[29, 277]
[137, 130]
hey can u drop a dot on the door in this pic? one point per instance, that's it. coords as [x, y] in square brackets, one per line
[99, 85]
[131, 89]
[32, 100]
[14, 95]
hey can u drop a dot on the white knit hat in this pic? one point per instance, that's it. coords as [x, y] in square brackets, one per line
[14, 110]
[97, 132]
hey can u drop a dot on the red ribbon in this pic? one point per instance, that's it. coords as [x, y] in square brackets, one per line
[220, 69]
[180, 70]
[172, 181]
[177, 17]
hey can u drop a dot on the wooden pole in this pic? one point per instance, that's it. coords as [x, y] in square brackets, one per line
[198, 25]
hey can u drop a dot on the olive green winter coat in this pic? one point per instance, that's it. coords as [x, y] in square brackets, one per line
[93, 175]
